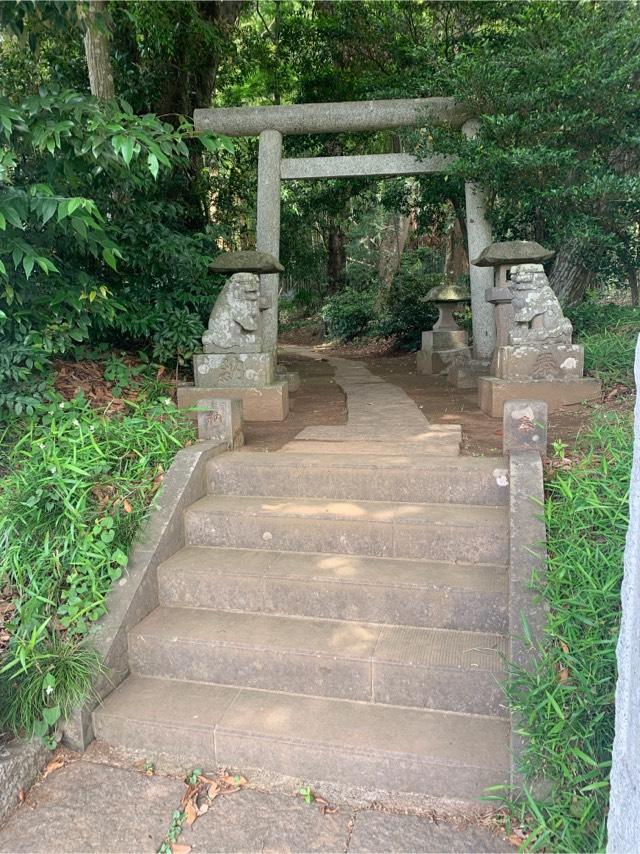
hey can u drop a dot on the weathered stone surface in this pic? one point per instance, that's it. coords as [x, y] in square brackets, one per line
[220, 419]
[465, 373]
[449, 339]
[527, 565]
[341, 587]
[427, 340]
[623, 824]
[512, 252]
[252, 370]
[493, 392]
[352, 166]
[136, 593]
[346, 116]
[448, 292]
[447, 532]
[376, 831]
[391, 748]
[524, 426]
[268, 226]
[540, 362]
[235, 324]
[501, 298]
[266, 403]
[249, 261]
[369, 476]
[20, 762]
[439, 361]
[537, 315]
[292, 378]
[85, 807]
[261, 822]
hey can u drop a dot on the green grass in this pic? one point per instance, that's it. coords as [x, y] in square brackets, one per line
[78, 484]
[609, 333]
[567, 703]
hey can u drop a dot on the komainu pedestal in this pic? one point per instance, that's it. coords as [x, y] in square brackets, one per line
[235, 363]
[540, 362]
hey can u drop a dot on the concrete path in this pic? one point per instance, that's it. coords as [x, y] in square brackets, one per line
[378, 411]
[93, 807]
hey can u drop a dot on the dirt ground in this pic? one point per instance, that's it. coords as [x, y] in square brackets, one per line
[321, 401]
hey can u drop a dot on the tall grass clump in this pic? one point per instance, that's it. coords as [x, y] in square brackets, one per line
[609, 333]
[566, 703]
[76, 487]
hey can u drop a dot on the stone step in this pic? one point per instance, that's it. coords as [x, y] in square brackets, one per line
[443, 532]
[353, 744]
[361, 477]
[343, 587]
[441, 445]
[397, 665]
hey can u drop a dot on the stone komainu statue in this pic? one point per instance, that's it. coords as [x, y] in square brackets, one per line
[235, 323]
[538, 317]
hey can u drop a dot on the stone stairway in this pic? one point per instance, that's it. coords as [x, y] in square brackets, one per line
[338, 613]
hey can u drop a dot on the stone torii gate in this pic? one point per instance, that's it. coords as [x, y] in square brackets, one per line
[270, 124]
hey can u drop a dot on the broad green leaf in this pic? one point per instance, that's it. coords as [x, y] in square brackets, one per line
[152, 160]
[109, 257]
[27, 264]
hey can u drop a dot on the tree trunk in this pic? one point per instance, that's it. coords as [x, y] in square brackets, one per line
[632, 276]
[456, 263]
[336, 258]
[392, 246]
[570, 278]
[96, 49]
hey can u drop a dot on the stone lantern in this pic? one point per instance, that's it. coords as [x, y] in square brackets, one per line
[446, 342]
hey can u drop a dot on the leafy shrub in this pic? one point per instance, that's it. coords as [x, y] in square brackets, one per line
[610, 355]
[595, 317]
[567, 701]
[79, 186]
[77, 488]
[609, 334]
[404, 312]
[350, 313]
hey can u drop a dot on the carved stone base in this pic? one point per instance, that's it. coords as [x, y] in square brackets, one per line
[438, 361]
[220, 419]
[268, 403]
[449, 339]
[540, 362]
[248, 370]
[291, 377]
[465, 374]
[493, 392]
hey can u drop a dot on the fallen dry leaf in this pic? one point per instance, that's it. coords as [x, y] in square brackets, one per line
[234, 780]
[53, 765]
[180, 848]
[191, 813]
[213, 791]
[21, 796]
[127, 506]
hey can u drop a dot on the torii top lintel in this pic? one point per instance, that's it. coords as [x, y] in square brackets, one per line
[340, 117]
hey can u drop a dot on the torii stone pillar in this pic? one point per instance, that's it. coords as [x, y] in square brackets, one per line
[268, 225]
